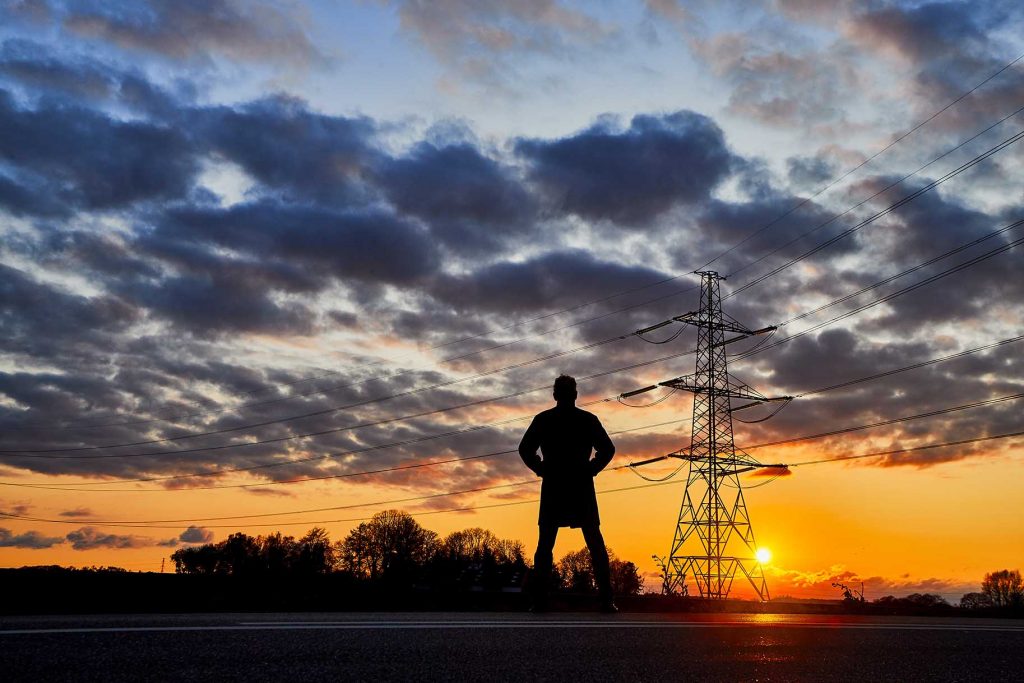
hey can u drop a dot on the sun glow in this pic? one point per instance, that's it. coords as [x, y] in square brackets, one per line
[763, 555]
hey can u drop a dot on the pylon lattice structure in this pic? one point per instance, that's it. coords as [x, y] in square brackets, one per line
[714, 538]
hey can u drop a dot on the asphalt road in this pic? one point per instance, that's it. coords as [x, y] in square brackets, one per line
[497, 647]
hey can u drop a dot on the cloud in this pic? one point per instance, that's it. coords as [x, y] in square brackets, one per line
[90, 538]
[30, 539]
[924, 31]
[146, 302]
[38, 317]
[555, 278]
[629, 175]
[818, 583]
[70, 147]
[260, 31]
[781, 84]
[476, 39]
[290, 149]
[77, 512]
[195, 534]
[471, 202]
[15, 509]
[38, 70]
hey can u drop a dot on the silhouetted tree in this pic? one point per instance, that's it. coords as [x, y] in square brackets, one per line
[926, 600]
[278, 553]
[1004, 588]
[241, 555]
[203, 559]
[575, 572]
[314, 553]
[391, 546]
[625, 577]
[975, 601]
[476, 544]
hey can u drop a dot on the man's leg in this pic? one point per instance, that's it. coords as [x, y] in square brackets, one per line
[599, 560]
[542, 561]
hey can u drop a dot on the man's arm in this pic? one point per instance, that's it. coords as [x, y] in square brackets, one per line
[528, 448]
[604, 449]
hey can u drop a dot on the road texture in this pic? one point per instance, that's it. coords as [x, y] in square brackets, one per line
[568, 647]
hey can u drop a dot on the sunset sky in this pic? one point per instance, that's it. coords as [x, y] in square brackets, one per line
[222, 216]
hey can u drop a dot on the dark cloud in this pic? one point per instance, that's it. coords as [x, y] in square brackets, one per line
[632, 175]
[38, 318]
[924, 31]
[16, 509]
[92, 161]
[290, 149]
[30, 539]
[211, 305]
[471, 202]
[38, 70]
[90, 538]
[357, 245]
[77, 512]
[549, 281]
[813, 362]
[195, 534]
[810, 172]
[254, 31]
[23, 200]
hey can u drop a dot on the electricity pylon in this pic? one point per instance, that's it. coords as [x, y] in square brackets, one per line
[714, 538]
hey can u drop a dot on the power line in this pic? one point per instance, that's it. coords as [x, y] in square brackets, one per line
[884, 212]
[758, 349]
[915, 366]
[210, 473]
[844, 430]
[771, 223]
[156, 524]
[345, 475]
[888, 297]
[936, 259]
[809, 437]
[401, 373]
[334, 409]
[862, 164]
[328, 521]
[899, 451]
[882, 423]
[55, 454]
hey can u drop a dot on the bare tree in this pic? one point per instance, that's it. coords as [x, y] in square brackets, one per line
[1004, 588]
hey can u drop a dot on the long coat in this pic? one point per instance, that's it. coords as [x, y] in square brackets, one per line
[566, 437]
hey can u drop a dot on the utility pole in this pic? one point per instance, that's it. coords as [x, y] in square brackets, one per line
[714, 537]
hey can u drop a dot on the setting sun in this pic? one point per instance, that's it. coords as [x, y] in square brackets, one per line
[763, 555]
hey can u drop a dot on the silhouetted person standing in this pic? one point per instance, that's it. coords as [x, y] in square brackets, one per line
[566, 437]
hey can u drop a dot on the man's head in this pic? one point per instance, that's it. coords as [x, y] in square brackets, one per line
[565, 390]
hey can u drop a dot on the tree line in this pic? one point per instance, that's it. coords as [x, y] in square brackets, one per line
[393, 549]
[1001, 592]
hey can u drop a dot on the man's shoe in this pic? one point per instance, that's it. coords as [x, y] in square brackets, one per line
[608, 607]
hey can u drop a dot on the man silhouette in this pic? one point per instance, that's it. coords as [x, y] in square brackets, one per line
[566, 437]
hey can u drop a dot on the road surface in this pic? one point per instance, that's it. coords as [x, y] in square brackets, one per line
[566, 647]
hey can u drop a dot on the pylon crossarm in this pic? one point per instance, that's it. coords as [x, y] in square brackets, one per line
[691, 384]
[769, 399]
